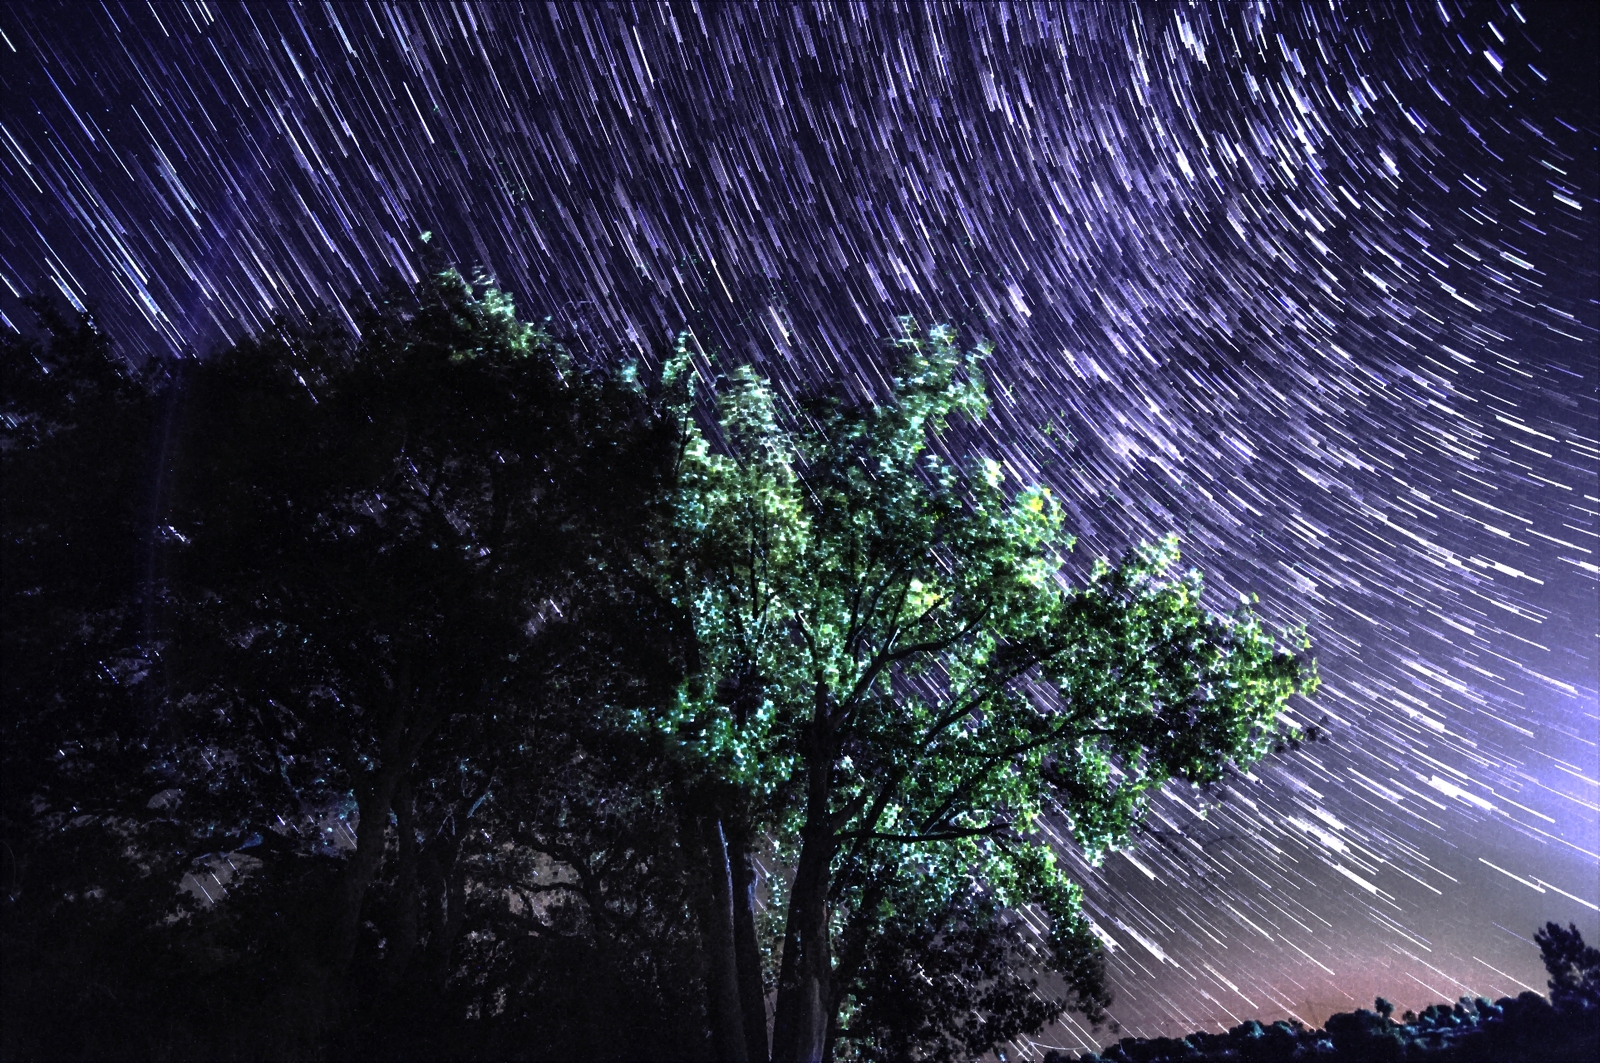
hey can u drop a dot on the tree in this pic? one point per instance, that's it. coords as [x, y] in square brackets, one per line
[417, 600]
[486, 674]
[359, 613]
[76, 426]
[1574, 968]
[78, 544]
[381, 533]
[946, 978]
[897, 680]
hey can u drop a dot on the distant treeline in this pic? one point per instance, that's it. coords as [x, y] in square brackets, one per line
[1523, 1029]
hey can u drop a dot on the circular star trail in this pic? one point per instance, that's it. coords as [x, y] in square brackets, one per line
[1311, 284]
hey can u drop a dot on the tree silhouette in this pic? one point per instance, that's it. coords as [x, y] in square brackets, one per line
[357, 615]
[1574, 968]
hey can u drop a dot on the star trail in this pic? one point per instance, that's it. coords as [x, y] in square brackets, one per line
[1311, 284]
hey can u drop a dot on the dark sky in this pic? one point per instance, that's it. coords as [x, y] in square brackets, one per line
[1313, 286]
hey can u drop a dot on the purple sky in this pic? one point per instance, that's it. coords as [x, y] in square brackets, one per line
[1314, 289]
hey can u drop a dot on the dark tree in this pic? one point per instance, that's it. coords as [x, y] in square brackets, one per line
[317, 652]
[80, 594]
[947, 977]
[1574, 968]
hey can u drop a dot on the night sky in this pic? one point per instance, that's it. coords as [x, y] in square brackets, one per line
[1312, 285]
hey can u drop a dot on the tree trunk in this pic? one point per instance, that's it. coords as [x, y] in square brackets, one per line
[407, 887]
[851, 957]
[448, 897]
[722, 967]
[752, 990]
[373, 804]
[804, 989]
[805, 986]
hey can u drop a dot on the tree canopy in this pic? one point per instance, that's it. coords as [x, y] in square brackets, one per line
[446, 692]
[897, 678]
[311, 652]
[1574, 968]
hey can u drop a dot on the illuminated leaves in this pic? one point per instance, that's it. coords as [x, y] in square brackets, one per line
[904, 627]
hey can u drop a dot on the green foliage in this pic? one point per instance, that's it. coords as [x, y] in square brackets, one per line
[889, 647]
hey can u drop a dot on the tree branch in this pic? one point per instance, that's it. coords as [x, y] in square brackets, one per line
[989, 691]
[930, 836]
[887, 657]
[995, 760]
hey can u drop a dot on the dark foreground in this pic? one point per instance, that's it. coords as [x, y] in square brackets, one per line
[1524, 1029]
